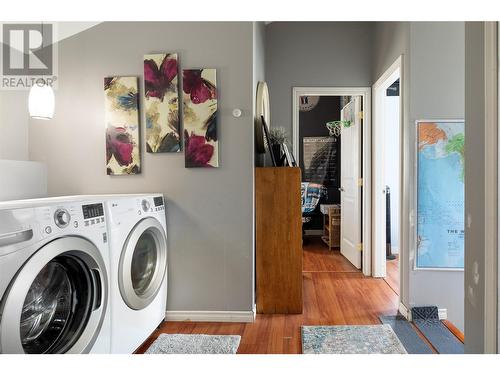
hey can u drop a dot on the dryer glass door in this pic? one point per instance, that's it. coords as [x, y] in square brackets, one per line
[57, 301]
[143, 263]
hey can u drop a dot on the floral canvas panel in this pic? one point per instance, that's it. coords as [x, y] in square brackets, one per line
[122, 125]
[201, 146]
[161, 95]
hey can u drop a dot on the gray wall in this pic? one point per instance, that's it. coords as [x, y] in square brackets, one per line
[14, 125]
[437, 91]
[314, 54]
[434, 88]
[210, 211]
[259, 52]
[391, 39]
[259, 74]
[259, 69]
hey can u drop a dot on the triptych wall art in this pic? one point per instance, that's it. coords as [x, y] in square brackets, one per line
[161, 107]
[161, 99]
[122, 126]
[200, 118]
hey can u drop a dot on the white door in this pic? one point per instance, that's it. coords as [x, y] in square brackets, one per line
[385, 167]
[350, 191]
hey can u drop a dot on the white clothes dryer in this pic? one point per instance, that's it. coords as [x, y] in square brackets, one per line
[138, 260]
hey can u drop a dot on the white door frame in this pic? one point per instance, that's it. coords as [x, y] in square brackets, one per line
[366, 213]
[379, 198]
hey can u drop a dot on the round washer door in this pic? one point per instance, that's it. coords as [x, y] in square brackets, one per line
[57, 301]
[143, 263]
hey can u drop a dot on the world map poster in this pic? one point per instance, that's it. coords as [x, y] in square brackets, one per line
[440, 195]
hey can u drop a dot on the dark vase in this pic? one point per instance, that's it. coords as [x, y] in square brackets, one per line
[276, 150]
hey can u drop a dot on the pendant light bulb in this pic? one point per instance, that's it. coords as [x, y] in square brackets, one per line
[41, 101]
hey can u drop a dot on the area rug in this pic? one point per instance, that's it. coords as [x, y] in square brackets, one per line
[407, 334]
[194, 344]
[366, 339]
[426, 318]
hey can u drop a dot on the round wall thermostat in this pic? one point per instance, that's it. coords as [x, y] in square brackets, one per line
[237, 112]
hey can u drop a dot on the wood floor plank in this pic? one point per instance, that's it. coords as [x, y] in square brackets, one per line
[318, 258]
[453, 329]
[392, 274]
[334, 293]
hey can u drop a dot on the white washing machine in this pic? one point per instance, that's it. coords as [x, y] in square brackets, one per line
[138, 259]
[54, 278]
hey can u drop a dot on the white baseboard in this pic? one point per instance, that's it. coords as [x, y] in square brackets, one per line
[443, 314]
[404, 311]
[211, 316]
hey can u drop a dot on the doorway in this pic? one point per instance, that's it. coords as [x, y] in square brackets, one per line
[331, 130]
[387, 166]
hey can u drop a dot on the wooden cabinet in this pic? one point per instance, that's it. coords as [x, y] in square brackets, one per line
[278, 255]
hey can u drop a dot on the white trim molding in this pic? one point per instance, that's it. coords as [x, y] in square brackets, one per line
[365, 92]
[394, 72]
[403, 310]
[210, 316]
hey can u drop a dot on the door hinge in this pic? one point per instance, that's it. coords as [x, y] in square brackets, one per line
[360, 181]
[360, 246]
[361, 115]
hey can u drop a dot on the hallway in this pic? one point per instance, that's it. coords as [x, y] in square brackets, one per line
[335, 293]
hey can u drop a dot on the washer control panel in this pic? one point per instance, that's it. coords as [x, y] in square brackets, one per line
[58, 219]
[62, 217]
[93, 214]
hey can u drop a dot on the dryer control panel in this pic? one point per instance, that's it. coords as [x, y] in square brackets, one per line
[149, 204]
[158, 202]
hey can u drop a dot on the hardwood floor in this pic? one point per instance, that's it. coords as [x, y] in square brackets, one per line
[334, 293]
[317, 258]
[392, 274]
[453, 329]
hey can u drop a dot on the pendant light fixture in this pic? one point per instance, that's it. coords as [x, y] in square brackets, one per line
[41, 100]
